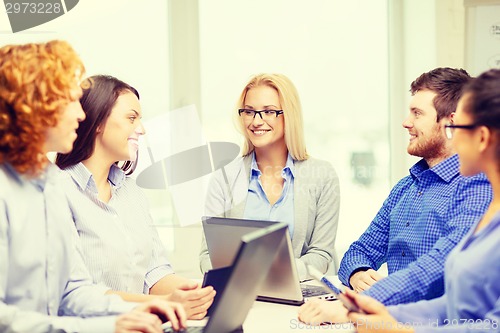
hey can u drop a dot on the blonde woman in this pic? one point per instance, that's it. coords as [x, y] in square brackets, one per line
[275, 179]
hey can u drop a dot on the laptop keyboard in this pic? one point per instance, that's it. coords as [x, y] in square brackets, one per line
[195, 329]
[191, 329]
[309, 290]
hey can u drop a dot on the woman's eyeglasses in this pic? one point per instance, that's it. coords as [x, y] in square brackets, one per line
[248, 114]
[450, 128]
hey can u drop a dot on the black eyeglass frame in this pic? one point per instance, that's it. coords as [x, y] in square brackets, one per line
[277, 112]
[450, 127]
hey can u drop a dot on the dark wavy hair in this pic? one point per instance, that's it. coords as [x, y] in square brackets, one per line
[98, 99]
[447, 83]
[36, 81]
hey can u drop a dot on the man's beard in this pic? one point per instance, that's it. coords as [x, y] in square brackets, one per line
[433, 147]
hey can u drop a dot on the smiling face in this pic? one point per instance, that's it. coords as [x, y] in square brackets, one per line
[119, 138]
[262, 133]
[61, 137]
[427, 138]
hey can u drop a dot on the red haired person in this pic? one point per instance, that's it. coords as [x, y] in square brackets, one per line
[44, 284]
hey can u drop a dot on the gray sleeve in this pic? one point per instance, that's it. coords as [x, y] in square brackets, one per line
[321, 247]
[214, 206]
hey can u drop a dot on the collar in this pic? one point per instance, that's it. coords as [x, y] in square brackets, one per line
[446, 170]
[84, 179]
[50, 171]
[289, 166]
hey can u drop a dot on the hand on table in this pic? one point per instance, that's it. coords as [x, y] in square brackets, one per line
[148, 317]
[377, 319]
[317, 311]
[195, 300]
[362, 280]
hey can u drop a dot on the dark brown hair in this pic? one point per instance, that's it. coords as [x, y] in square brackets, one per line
[447, 83]
[98, 99]
[482, 101]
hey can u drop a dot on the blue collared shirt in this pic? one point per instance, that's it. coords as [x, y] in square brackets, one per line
[258, 207]
[42, 274]
[121, 247]
[472, 299]
[426, 214]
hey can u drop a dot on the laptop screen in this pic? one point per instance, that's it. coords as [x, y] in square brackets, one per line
[251, 264]
[282, 281]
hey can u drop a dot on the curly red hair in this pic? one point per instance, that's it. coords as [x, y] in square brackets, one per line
[35, 83]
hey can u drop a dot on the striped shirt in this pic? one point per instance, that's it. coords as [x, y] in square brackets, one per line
[121, 247]
[426, 214]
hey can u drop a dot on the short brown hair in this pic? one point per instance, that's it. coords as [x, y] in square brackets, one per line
[447, 83]
[35, 82]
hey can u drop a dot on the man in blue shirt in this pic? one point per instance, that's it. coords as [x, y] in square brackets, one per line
[425, 215]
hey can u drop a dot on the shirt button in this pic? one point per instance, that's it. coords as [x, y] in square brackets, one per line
[407, 224]
[419, 193]
[403, 254]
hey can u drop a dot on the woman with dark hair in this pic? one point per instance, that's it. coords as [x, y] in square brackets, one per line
[44, 284]
[106, 90]
[120, 244]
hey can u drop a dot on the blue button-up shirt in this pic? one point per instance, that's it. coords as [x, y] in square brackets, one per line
[42, 274]
[258, 207]
[472, 299]
[426, 214]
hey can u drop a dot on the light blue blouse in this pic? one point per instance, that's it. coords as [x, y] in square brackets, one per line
[471, 302]
[316, 194]
[42, 275]
[121, 247]
[258, 206]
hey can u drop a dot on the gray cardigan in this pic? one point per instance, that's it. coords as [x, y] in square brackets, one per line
[316, 205]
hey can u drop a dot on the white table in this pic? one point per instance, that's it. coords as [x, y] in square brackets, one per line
[266, 317]
[269, 317]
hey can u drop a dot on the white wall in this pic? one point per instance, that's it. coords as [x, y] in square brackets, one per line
[336, 54]
[335, 51]
[124, 38]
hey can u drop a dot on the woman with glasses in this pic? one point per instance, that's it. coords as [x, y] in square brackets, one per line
[275, 179]
[44, 284]
[120, 245]
[471, 302]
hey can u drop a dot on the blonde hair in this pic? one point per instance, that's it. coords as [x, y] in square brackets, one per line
[292, 111]
[35, 82]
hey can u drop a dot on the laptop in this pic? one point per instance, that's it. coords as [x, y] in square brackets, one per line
[282, 283]
[249, 268]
